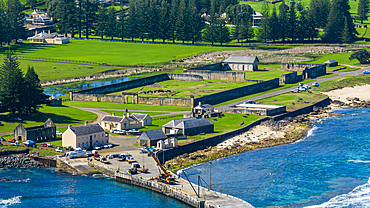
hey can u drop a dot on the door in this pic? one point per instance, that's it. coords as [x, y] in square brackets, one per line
[91, 141]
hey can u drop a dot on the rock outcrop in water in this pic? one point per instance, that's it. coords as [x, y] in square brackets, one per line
[18, 161]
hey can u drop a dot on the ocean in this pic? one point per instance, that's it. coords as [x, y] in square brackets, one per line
[47, 187]
[328, 168]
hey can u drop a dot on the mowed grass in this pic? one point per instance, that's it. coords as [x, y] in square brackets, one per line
[342, 58]
[106, 105]
[293, 101]
[50, 71]
[32, 150]
[343, 82]
[121, 113]
[183, 89]
[112, 52]
[61, 116]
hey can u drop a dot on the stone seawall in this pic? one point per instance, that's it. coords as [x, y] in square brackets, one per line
[238, 92]
[218, 75]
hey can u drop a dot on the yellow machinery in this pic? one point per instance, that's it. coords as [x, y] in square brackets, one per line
[164, 174]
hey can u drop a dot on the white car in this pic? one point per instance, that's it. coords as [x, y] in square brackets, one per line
[58, 149]
[59, 133]
[106, 146]
[97, 148]
[110, 145]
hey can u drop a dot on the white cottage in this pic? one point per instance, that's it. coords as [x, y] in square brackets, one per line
[135, 121]
[242, 63]
[84, 136]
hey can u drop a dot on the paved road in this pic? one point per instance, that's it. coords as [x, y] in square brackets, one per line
[319, 80]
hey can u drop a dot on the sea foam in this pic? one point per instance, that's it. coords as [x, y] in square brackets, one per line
[7, 202]
[358, 197]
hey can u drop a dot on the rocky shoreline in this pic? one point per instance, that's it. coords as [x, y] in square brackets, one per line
[268, 134]
[18, 161]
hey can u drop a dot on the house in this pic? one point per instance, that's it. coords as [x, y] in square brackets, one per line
[202, 111]
[188, 126]
[135, 121]
[242, 63]
[40, 20]
[151, 137]
[48, 38]
[167, 144]
[38, 13]
[84, 136]
[42, 133]
[331, 63]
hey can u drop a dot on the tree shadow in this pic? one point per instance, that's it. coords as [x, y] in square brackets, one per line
[23, 48]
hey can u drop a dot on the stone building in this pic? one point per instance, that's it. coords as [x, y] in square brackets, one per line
[135, 121]
[84, 136]
[202, 111]
[242, 63]
[151, 137]
[331, 63]
[189, 126]
[42, 133]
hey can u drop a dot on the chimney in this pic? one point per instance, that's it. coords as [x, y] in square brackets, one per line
[113, 114]
[48, 31]
[128, 114]
[200, 104]
[69, 127]
[36, 32]
[86, 123]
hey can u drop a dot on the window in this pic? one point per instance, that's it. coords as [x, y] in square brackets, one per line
[102, 134]
[87, 144]
[78, 144]
[83, 144]
[124, 125]
[107, 141]
[94, 136]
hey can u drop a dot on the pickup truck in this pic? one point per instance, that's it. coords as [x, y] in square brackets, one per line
[136, 166]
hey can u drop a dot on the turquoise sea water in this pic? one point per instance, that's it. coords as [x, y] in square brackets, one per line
[329, 168]
[46, 187]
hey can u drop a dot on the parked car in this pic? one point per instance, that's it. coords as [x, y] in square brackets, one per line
[1, 124]
[97, 147]
[2, 139]
[105, 146]
[250, 102]
[295, 90]
[367, 72]
[58, 149]
[89, 154]
[16, 143]
[315, 84]
[59, 133]
[46, 144]
[302, 89]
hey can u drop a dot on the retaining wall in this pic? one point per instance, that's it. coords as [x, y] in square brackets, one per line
[185, 102]
[10, 152]
[51, 162]
[186, 77]
[263, 112]
[212, 67]
[218, 75]
[238, 92]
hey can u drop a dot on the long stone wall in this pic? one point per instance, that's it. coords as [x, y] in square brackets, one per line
[185, 102]
[296, 66]
[126, 85]
[218, 75]
[186, 77]
[238, 92]
[315, 71]
[308, 70]
[212, 67]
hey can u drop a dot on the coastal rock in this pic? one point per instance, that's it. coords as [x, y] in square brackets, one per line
[18, 161]
[5, 179]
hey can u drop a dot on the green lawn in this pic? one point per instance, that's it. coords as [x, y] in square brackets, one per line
[265, 74]
[343, 82]
[120, 113]
[124, 106]
[342, 58]
[112, 52]
[61, 116]
[186, 88]
[50, 71]
[288, 99]
[32, 150]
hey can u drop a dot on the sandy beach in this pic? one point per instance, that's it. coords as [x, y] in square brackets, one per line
[361, 92]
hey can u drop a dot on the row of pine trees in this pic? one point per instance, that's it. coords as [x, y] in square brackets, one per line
[11, 21]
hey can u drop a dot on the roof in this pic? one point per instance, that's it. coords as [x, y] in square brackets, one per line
[156, 134]
[176, 122]
[330, 61]
[202, 106]
[241, 59]
[117, 119]
[139, 116]
[88, 129]
[258, 106]
[188, 123]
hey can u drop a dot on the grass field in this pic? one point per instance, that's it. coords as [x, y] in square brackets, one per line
[32, 150]
[112, 52]
[120, 113]
[186, 88]
[50, 71]
[293, 101]
[61, 116]
[124, 106]
[343, 82]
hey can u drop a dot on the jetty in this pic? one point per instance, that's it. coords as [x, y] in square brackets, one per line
[183, 190]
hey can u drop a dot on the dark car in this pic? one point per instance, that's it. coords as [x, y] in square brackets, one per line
[2, 139]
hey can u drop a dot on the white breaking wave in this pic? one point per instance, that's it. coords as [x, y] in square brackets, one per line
[309, 133]
[22, 180]
[358, 197]
[359, 161]
[7, 202]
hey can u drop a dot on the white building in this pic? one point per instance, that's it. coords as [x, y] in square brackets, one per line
[84, 136]
[135, 121]
[242, 63]
[48, 38]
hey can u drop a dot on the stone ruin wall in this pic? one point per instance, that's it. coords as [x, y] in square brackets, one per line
[308, 70]
[218, 75]
[291, 78]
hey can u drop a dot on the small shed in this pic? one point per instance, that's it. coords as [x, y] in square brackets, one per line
[331, 63]
[151, 137]
[189, 126]
[242, 63]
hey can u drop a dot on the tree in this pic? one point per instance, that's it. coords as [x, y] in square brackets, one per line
[152, 23]
[34, 93]
[246, 32]
[122, 24]
[222, 33]
[336, 22]
[361, 55]
[15, 21]
[65, 13]
[132, 21]
[303, 26]
[210, 31]
[31, 3]
[173, 21]
[346, 33]
[182, 22]
[292, 22]
[111, 30]
[2, 24]
[273, 25]
[263, 32]
[11, 85]
[324, 10]
[164, 22]
[101, 23]
[194, 23]
[363, 10]
[283, 21]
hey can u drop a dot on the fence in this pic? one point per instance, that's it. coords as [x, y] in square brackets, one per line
[59, 60]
